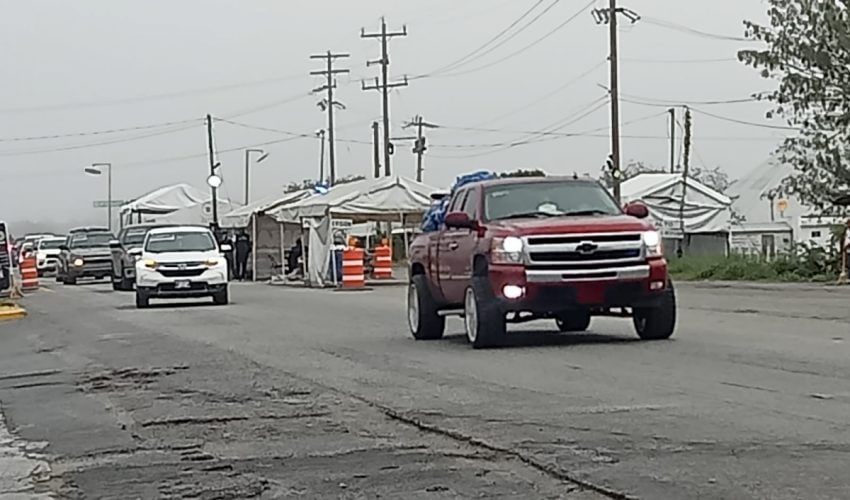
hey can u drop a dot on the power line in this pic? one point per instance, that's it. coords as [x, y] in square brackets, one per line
[486, 44]
[517, 52]
[692, 31]
[679, 61]
[285, 132]
[743, 122]
[96, 144]
[152, 97]
[97, 132]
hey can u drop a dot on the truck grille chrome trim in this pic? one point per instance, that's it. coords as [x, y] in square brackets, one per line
[594, 256]
[602, 274]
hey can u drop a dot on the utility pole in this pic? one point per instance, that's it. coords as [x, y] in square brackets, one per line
[321, 135]
[260, 159]
[419, 146]
[328, 104]
[672, 112]
[376, 147]
[384, 85]
[213, 183]
[685, 171]
[609, 16]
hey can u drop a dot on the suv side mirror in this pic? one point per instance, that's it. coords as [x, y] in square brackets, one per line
[64, 248]
[135, 252]
[637, 209]
[459, 220]
[115, 244]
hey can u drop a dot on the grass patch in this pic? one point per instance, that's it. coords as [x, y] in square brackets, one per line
[805, 266]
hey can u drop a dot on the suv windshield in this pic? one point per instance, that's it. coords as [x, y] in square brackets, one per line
[50, 244]
[90, 240]
[134, 236]
[180, 242]
[547, 199]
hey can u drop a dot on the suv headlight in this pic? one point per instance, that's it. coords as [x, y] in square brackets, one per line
[150, 264]
[506, 250]
[652, 244]
[211, 262]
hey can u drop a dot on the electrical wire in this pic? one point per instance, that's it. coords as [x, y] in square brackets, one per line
[285, 132]
[152, 97]
[679, 61]
[692, 31]
[97, 132]
[456, 63]
[517, 52]
[743, 122]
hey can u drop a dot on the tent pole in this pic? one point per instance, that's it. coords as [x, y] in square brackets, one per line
[282, 248]
[254, 248]
[303, 254]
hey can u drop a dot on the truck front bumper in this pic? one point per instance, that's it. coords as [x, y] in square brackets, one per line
[545, 292]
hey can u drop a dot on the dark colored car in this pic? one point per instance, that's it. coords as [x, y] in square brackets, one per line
[85, 254]
[550, 248]
[123, 262]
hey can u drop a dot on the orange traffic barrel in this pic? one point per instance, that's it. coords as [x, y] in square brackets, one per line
[29, 274]
[352, 268]
[383, 262]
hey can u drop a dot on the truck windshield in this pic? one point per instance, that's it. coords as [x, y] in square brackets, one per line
[180, 242]
[134, 237]
[51, 244]
[547, 199]
[90, 240]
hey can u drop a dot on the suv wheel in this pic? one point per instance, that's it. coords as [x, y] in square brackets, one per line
[573, 321]
[657, 323]
[422, 313]
[484, 321]
[221, 297]
[143, 301]
[68, 280]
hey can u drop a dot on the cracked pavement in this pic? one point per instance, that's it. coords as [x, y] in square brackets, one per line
[311, 394]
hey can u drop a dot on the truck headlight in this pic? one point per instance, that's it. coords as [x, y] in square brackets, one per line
[652, 244]
[78, 262]
[506, 250]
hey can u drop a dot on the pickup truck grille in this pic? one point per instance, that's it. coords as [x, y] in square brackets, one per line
[575, 257]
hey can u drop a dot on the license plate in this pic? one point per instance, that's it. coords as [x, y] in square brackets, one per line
[183, 284]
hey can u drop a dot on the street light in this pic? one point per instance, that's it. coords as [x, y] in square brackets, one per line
[263, 156]
[96, 169]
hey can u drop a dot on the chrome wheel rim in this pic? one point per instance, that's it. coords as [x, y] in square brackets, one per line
[470, 316]
[413, 308]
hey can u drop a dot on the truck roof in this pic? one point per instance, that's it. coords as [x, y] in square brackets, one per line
[528, 180]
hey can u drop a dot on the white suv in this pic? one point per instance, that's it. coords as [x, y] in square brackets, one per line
[181, 262]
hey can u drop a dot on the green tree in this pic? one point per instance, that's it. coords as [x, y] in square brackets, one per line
[807, 50]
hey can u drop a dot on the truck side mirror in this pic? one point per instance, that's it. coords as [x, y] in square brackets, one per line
[64, 248]
[114, 244]
[637, 209]
[459, 220]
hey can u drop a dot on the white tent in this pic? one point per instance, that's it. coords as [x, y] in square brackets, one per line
[198, 214]
[383, 199]
[705, 210]
[241, 217]
[166, 199]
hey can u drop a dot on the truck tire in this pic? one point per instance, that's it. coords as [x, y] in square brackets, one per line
[67, 280]
[143, 301]
[657, 323]
[573, 321]
[484, 321]
[422, 311]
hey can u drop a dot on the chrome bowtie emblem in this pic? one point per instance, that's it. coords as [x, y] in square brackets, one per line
[586, 247]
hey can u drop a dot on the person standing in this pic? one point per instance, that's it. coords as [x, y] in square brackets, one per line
[243, 251]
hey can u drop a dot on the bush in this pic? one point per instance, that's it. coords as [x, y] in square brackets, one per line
[806, 263]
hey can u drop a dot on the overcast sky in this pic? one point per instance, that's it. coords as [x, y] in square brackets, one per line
[72, 66]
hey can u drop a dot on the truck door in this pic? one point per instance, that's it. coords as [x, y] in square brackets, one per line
[461, 245]
[443, 248]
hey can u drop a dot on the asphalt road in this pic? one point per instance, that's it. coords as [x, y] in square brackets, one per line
[317, 394]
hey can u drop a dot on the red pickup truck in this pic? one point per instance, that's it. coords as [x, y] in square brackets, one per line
[523, 249]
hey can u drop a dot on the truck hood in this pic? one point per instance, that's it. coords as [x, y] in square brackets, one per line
[91, 252]
[567, 225]
[49, 252]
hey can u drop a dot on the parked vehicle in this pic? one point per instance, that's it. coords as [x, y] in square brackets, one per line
[47, 254]
[181, 262]
[85, 254]
[123, 262]
[517, 250]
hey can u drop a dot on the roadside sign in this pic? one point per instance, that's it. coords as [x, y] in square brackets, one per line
[5, 259]
[671, 229]
[104, 203]
[341, 223]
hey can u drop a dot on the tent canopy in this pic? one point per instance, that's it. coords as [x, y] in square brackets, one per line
[166, 199]
[241, 217]
[200, 214]
[705, 210]
[383, 199]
